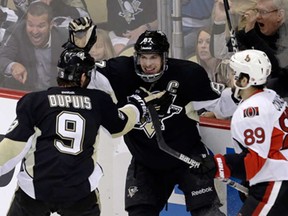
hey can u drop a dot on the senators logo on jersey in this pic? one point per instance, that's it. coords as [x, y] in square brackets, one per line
[251, 112]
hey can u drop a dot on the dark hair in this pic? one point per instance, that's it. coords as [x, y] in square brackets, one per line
[39, 8]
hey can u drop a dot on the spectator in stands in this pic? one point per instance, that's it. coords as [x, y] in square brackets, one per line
[217, 69]
[8, 18]
[195, 15]
[77, 3]
[63, 11]
[103, 48]
[127, 20]
[265, 30]
[31, 50]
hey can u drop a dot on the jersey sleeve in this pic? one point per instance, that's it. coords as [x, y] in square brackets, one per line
[24, 123]
[222, 106]
[118, 121]
[19, 138]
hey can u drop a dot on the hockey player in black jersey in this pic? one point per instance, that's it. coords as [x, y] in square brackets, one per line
[153, 174]
[55, 134]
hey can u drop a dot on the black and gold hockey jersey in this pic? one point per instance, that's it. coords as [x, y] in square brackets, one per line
[191, 90]
[55, 134]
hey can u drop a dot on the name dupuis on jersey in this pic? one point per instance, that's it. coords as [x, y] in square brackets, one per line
[75, 101]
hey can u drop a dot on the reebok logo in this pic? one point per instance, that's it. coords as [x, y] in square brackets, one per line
[201, 191]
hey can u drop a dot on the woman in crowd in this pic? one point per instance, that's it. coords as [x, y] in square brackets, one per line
[217, 69]
[103, 48]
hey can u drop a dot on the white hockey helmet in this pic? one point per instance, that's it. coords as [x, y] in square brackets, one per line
[255, 63]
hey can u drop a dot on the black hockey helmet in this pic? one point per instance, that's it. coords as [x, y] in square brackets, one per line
[73, 63]
[151, 42]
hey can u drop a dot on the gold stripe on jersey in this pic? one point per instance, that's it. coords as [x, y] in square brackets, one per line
[191, 112]
[30, 156]
[10, 149]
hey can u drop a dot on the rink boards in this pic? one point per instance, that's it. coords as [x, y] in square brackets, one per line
[114, 158]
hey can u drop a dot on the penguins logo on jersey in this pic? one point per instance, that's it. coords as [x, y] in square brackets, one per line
[13, 125]
[148, 127]
[129, 9]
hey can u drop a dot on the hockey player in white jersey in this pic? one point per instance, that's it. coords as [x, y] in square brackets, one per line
[259, 131]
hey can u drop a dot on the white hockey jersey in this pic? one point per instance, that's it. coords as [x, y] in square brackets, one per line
[260, 124]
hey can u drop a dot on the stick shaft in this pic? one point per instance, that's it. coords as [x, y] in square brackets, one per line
[231, 30]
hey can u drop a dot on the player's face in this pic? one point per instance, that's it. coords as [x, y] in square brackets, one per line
[203, 46]
[150, 63]
[38, 29]
[269, 17]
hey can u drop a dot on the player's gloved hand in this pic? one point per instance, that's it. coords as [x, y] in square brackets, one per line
[163, 103]
[211, 166]
[82, 34]
[137, 99]
[80, 24]
[142, 95]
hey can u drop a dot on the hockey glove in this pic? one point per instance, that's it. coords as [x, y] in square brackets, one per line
[82, 34]
[211, 167]
[141, 98]
[139, 102]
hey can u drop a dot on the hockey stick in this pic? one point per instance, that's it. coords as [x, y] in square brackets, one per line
[164, 147]
[231, 30]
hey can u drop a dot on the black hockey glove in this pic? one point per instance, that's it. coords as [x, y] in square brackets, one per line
[207, 168]
[139, 102]
[163, 103]
[141, 98]
[82, 34]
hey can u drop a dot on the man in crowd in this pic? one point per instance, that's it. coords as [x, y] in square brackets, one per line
[266, 30]
[30, 50]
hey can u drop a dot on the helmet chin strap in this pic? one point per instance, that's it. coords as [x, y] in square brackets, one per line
[238, 88]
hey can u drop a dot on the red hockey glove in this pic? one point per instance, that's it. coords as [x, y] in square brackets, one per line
[211, 167]
[223, 171]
